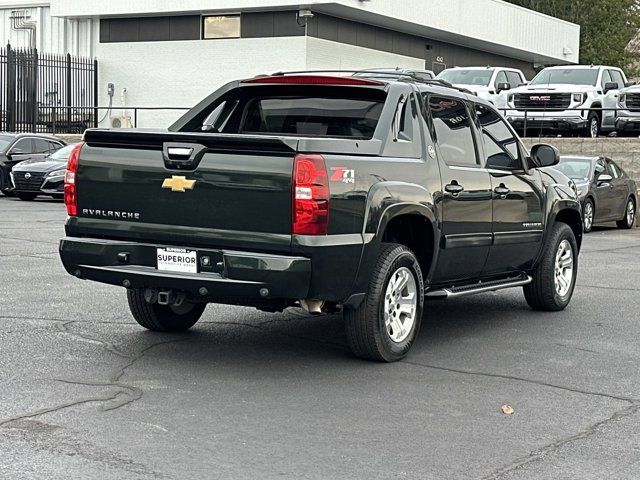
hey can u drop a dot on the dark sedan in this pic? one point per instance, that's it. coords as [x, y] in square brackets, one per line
[17, 147]
[44, 176]
[606, 191]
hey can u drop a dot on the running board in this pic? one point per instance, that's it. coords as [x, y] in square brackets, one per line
[480, 287]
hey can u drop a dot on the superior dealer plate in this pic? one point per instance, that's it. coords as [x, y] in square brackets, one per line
[177, 260]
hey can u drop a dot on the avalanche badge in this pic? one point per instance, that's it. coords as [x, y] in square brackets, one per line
[178, 184]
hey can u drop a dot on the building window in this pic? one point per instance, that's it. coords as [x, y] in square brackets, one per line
[221, 26]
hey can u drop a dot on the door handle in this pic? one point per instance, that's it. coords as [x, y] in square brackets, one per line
[454, 188]
[502, 191]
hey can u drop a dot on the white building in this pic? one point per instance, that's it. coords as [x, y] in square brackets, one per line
[173, 53]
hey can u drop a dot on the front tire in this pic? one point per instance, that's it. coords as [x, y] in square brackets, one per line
[163, 318]
[588, 215]
[555, 277]
[593, 125]
[384, 327]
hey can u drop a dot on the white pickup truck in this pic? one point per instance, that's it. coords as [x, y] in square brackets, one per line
[628, 113]
[489, 83]
[576, 98]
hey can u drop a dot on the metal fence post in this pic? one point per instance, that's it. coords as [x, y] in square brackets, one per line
[69, 92]
[34, 91]
[95, 93]
[11, 90]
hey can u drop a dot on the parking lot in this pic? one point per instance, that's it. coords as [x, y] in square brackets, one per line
[86, 393]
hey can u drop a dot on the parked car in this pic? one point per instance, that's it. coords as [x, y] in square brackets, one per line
[41, 176]
[489, 83]
[17, 147]
[577, 98]
[606, 191]
[365, 195]
[628, 113]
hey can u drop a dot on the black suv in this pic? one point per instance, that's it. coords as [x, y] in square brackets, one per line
[361, 195]
[18, 147]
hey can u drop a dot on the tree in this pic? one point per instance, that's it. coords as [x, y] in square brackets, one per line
[607, 27]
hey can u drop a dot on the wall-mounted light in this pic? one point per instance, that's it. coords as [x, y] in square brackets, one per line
[303, 16]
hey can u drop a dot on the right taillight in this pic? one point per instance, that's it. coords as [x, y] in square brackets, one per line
[70, 191]
[310, 196]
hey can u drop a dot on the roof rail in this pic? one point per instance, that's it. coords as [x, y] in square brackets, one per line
[399, 75]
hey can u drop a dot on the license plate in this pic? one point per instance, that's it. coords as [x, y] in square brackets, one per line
[177, 260]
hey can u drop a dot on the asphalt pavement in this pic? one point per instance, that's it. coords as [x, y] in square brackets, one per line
[85, 393]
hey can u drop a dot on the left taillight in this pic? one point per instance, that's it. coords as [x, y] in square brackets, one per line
[70, 188]
[310, 196]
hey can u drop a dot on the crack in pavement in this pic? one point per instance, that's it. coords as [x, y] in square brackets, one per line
[630, 400]
[609, 288]
[126, 393]
[538, 454]
[553, 446]
[61, 320]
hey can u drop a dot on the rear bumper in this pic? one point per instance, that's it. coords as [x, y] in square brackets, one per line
[231, 277]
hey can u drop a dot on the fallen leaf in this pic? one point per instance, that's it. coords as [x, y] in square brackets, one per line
[507, 410]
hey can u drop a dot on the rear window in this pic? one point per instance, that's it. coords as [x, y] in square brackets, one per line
[313, 116]
[292, 110]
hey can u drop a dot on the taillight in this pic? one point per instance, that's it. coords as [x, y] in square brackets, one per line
[310, 195]
[70, 192]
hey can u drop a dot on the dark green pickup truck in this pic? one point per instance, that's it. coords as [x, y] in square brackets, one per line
[326, 192]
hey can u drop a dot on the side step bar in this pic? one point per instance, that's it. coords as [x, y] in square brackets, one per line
[480, 287]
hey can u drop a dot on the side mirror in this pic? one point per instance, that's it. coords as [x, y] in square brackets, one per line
[545, 155]
[610, 86]
[604, 178]
[502, 87]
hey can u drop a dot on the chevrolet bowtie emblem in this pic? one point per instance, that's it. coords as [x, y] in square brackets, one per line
[178, 184]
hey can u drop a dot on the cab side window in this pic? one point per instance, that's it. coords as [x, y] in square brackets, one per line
[452, 125]
[617, 77]
[613, 170]
[22, 146]
[501, 77]
[515, 80]
[500, 144]
[606, 78]
[600, 168]
[41, 146]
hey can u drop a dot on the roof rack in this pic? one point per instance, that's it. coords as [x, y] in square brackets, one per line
[400, 75]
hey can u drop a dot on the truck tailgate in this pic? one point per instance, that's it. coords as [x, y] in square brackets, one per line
[236, 194]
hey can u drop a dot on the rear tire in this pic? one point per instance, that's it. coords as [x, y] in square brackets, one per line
[629, 219]
[27, 197]
[163, 318]
[555, 277]
[384, 327]
[588, 215]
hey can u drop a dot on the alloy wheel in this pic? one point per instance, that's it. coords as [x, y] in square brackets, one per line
[631, 212]
[400, 304]
[564, 268]
[593, 127]
[588, 216]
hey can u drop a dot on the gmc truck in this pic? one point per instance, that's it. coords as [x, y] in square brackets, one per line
[490, 83]
[628, 113]
[364, 196]
[580, 99]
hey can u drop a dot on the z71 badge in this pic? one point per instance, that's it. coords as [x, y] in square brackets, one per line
[343, 174]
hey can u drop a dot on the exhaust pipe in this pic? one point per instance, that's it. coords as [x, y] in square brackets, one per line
[314, 307]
